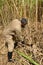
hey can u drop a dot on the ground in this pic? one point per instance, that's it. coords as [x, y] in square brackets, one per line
[34, 48]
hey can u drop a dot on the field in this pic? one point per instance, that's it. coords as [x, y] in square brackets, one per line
[33, 47]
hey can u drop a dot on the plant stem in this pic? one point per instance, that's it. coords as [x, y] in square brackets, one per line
[27, 57]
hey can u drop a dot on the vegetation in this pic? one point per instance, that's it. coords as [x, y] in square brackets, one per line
[18, 9]
[27, 57]
[33, 11]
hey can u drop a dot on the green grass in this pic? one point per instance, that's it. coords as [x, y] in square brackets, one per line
[27, 57]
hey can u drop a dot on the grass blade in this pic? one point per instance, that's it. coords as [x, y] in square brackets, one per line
[27, 57]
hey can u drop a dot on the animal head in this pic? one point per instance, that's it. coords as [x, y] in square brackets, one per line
[23, 22]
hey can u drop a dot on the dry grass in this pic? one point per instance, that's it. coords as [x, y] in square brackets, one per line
[33, 47]
[35, 51]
